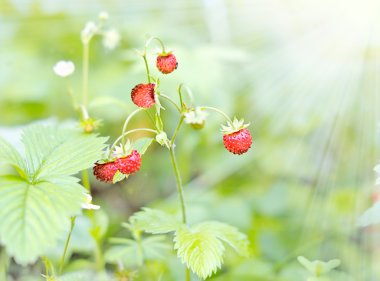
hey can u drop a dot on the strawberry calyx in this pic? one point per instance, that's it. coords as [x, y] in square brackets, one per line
[234, 126]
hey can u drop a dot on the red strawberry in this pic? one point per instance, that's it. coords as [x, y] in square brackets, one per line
[238, 142]
[143, 95]
[237, 139]
[129, 164]
[166, 63]
[105, 171]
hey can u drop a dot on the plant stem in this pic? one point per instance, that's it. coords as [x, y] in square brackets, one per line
[146, 66]
[67, 244]
[180, 194]
[126, 124]
[176, 130]
[179, 183]
[218, 111]
[85, 74]
[127, 133]
[172, 101]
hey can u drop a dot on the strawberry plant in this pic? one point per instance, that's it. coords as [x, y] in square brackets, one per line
[41, 196]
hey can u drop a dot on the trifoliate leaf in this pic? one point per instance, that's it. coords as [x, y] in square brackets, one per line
[36, 206]
[142, 144]
[34, 216]
[228, 234]
[201, 250]
[155, 221]
[371, 216]
[118, 176]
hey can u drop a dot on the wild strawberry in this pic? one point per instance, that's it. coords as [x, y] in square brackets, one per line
[237, 139]
[143, 95]
[129, 164]
[105, 171]
[166, 63]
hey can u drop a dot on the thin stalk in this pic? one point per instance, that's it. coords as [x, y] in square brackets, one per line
[85, 74]
[188, 92]
[127, 133]
[176, 130]
[218, 111]
[146, 67]
[179, 184]
[171, 101]
[126, 124]
[180, 195]
[158, 40]
[67, 244]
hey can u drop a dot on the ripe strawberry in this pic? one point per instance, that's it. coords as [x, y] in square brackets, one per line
[105, 171]
[143, 95]
[237, 139]
[238, 142]
[129, 164]
[166, 63]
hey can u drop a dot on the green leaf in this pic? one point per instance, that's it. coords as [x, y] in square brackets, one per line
[142, 144]
[228, 234]
[118, 176]
[53, 151]
[34, 216]
[155, 221]
[9, 155]
[201, 250]
[127, 250]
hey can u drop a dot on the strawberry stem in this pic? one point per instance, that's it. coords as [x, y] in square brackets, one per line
[85, 73]
[218, 111]
[123, 140]
[127, 133]
[172, 101]
[158, 40]
[182, 85]
[146, 67]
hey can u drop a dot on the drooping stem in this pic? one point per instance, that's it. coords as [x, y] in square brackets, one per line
[218, 111]
[67, 244]
[127, 133]
[146, 66]
[171, 101]
[85, 74]
[158, 40]
[182, 85]
[126, 124]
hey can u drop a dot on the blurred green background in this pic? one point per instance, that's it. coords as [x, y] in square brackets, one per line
[303, 73]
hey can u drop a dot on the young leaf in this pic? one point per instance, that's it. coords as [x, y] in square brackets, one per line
[200, 249]
[228, 234]
[34, 216]
[155, 221]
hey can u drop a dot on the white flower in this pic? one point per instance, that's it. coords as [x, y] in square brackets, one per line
[64, 68]
[88, 31]
[197, 116]
[87, 204]
[111, 39]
